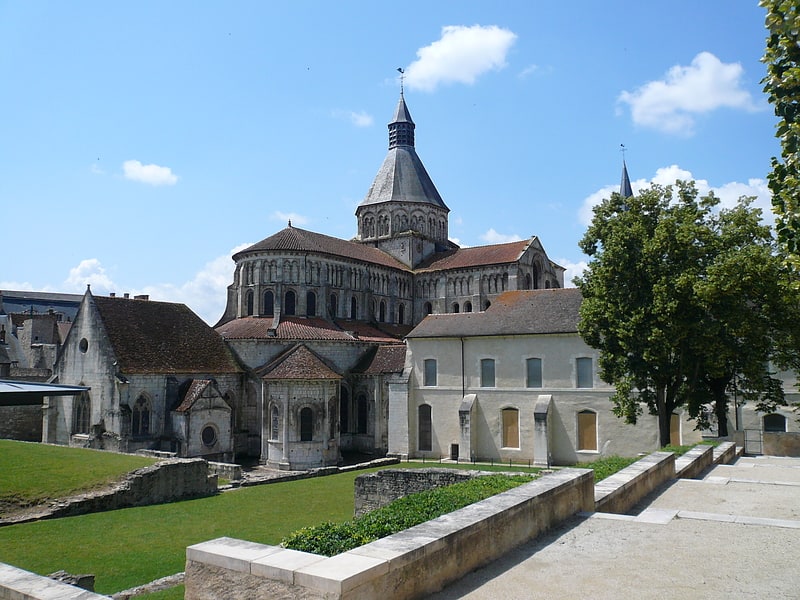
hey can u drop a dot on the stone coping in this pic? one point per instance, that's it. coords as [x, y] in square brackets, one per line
[18, 584]
[694, 462]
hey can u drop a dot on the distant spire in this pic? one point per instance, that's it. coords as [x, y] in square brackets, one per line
[625, 189]
[290, 222]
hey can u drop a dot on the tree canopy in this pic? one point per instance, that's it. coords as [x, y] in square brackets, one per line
[782, 85]
[684, 300]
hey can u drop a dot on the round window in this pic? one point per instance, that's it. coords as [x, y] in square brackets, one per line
[83, 345]
[209, 435]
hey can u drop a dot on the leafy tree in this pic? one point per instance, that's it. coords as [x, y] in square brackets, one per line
[782, 85]
[682, 300]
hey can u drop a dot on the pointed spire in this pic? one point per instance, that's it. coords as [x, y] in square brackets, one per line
[625, 189]
[401, 129]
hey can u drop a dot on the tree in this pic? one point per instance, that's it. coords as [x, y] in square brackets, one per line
[682, 300]
[782, 85]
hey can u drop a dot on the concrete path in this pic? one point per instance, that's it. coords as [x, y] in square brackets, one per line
[734, 534]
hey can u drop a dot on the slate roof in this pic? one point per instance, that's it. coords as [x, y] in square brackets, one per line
[298, 362]
[475, 256]
[293, 239]
[512, 313]
[402, 176]
[382, 359]
[162, 337]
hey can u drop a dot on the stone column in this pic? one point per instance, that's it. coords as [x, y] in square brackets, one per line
[465, 413]
[541, 430]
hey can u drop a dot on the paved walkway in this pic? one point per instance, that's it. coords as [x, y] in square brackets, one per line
[733, 534]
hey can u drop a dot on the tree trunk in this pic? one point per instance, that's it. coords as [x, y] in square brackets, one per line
[664, 417]
[718, 387]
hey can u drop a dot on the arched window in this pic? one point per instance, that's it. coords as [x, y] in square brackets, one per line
[533, 374]
[527, 281]
[774, 422]
[332, 305]
[290, 303]
[275, 424]
[587, 430]
[510, 428]
[467, 306]
[353, 308]
[455, 307]
[311, 304]
[486, 305]
[425, 428]
[81, 414]
[140, 425]
[248, 298]
[401, 314]
[269, 303]
[306, 424]
[363, 412]
[428, 308]
[382, 312]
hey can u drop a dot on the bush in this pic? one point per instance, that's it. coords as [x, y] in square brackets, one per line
[329, 539]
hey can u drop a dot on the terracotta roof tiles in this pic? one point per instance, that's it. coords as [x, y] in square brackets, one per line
[299, 362]
[475, 256]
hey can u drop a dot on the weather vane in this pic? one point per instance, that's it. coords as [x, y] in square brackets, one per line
[622, 149]
[402, 77]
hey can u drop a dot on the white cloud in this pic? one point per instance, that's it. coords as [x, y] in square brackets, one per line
[206, 293]
[295, 218]
[672, 103]
[359, 119]
[527, 71]
[88, 272]
[461, 55]
[150, 174]
[728, 193]
[573, 270]
[493, 237]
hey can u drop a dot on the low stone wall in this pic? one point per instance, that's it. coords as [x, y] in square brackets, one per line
[165, 481]
[229, 471]
[726, 453]
[692, 464]
[623, 490]
[375, 490]
[16, 584]
[411, 564]
[780, 443]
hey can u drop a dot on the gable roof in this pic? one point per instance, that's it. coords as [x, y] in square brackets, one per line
[293, 239]
[195, 391]
[162, 337]
[298, 362]
[512, 313]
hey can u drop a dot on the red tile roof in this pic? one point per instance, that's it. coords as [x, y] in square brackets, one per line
[307, 328]
[383, 359]
[299, 362]
[293, 239]
[193, 393]
[475, 256]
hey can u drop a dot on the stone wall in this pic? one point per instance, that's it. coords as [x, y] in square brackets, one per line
[692, 464]
[781, 443]
[166, 481]
[623, 490]
[374, 490]
[411, 564]
[22, 423]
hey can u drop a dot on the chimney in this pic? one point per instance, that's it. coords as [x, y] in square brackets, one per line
[142, 297]
[126, 295]
[112, 295]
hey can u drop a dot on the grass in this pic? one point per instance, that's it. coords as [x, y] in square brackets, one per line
[31, 473]
[607, 466]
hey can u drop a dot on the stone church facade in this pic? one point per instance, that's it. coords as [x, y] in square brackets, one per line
[313, 328]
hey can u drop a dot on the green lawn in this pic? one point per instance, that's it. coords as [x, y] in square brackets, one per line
[34, 473]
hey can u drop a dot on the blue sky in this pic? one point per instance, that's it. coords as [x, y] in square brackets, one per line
[142, 143]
